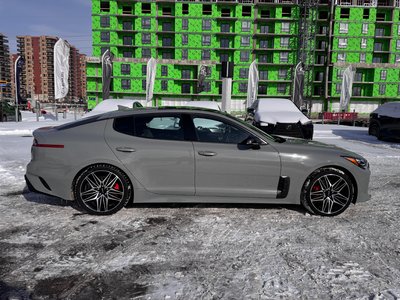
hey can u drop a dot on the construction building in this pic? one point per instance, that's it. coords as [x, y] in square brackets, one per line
[5, 68]
[37, 78]
[327, 36]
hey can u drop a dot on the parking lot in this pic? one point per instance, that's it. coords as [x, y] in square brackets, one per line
[49, 249]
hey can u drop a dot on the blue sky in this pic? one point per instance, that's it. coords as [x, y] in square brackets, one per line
[67, 19]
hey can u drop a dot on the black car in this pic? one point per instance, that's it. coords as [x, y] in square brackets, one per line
[384, 122]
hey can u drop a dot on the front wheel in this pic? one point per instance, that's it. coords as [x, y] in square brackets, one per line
[102, 189]
[327, 192]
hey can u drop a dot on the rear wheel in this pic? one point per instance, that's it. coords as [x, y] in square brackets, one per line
[102, 189]
[327, 192]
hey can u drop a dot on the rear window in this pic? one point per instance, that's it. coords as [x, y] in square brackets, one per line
[124, 125]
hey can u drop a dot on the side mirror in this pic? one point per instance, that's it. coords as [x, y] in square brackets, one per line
[250, 110]
[304, 111]
[252, 143]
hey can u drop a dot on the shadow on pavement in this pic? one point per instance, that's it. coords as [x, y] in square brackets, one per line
[362, 136]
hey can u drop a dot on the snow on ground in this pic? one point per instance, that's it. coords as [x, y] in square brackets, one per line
[51, 250]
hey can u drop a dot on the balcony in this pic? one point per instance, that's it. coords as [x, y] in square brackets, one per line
[367, 3]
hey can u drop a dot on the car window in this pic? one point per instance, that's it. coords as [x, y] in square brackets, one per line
[124, 125]
[215, 131]
[159, 127]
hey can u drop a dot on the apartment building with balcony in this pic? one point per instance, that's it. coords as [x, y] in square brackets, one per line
[5, 67]
[184, 35]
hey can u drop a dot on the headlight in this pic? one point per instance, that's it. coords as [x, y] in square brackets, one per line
[359, 162]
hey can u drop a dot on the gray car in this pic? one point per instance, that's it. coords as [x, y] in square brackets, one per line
[189, 155]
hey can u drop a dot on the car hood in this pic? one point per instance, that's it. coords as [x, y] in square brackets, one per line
[306, 147]
[281, 117]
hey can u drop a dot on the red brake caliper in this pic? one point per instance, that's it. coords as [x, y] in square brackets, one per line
[316, 188]
[116, 187]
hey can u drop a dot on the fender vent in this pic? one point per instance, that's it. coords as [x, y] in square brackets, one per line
[283, 187]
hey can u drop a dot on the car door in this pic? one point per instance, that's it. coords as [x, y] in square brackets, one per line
[154, 149]
[226, 168]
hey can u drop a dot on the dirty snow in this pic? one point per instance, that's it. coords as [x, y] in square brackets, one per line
[49, 249]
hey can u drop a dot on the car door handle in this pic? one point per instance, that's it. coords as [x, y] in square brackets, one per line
[125, 149]
[207, 153]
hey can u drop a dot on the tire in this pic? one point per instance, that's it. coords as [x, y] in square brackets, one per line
[102, 189]
[327, 192]
[375, 130]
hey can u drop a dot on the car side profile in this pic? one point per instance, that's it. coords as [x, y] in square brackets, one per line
[384, 122]
[189, 155]
[281, 117]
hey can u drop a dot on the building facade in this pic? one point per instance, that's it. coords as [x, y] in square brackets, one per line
[37, 78]
[5, 68]
[185, 35]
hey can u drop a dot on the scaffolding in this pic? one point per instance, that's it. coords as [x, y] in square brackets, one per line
[306, 50]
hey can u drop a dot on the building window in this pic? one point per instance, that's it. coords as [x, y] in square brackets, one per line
[358, 77]
[146, 38]
[284, 57]
[383, 74]
[376, 60]
[244, 55]
[264, 29]
[105, 6]
[206, 24]
[338, 88]
[245, 41]
[398, 30]
[164, 70]
[105, 36]
[146, 23]
[127, 40]
[146, 8]
[246, 11]
[263, 75]
[379, 32]
[246, 25]
[339, 74]
[282, 73]
[224, 57]
[263, 58]
[205, 54]
[286, 12]
[144, 84]
[382, 89]
[206, 86]
[127, 25]
[146, 53]
[285, 27]
[342, 43]
[345, 13]
[167, 42]
[185, 24]
[363, 58]
[127, 54]
[166, 11]
[185, 9]
[282, 88]
[206, 40]
[341, 57]
[207, 9]
[364, 28]
[262, 89]
[185, 53]
[225, 28]
[398, 89]
[366, 14]
[126, 84]
[357, 91]
[164, 85]
[104, 21]
[167, 26]
[343, 27]
[243, 87]
[263, 44]
[397, 58]
[284, 42]
[243, 73]
[144, 70]
[185, 39]
[185, 74]
[167, 55]
[125, 69]
[225, 12]
[185, 89]
[224, 43]
[363, 43]
[378, 47]
[127, 10]
[398, 44]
